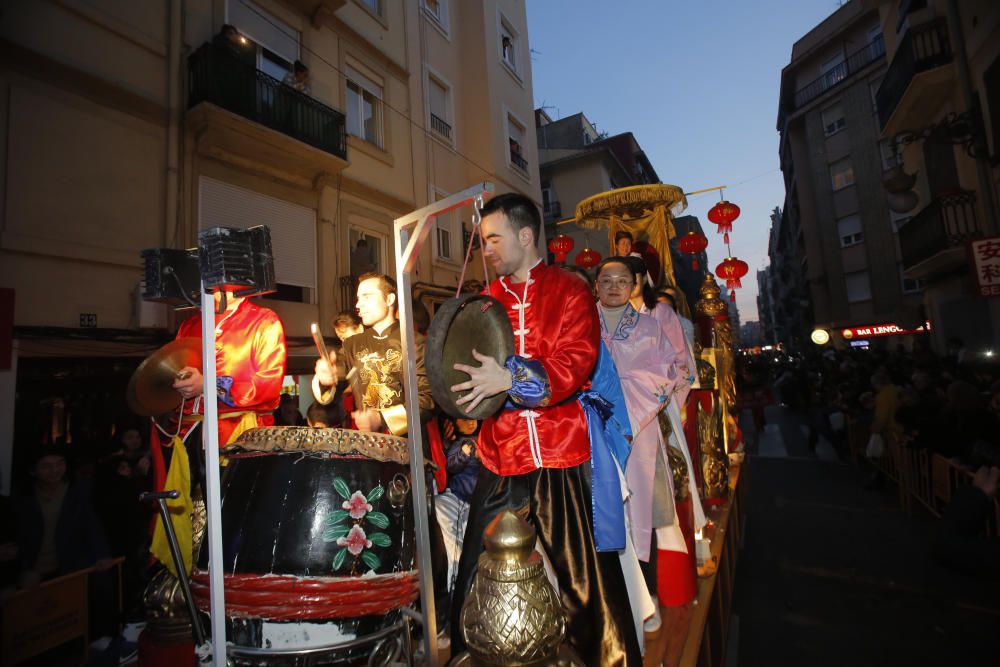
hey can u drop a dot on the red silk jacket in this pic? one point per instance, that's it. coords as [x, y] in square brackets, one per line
[249, 363]
[557, 336]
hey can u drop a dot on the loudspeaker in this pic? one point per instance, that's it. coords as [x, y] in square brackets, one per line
[171, 276]
[237, 260]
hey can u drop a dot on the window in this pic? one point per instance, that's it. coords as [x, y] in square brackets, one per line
[515, 136]
[849, 230]
[367, 251]
[275, 43]
[833, 120]
[873, 89]
[859, 286]
[374, 6]
[888, 152]
[841, 174]
[444, 231]
[910, 285]
[437, 10]
[834, 70]
[508, 45]
[364, 108]
[437, 94]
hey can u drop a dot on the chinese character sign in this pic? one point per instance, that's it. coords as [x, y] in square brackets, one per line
[986, 263]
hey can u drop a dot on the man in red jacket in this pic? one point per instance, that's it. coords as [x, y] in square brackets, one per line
[535, 452]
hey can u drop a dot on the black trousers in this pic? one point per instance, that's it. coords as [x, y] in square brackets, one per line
[557, 502]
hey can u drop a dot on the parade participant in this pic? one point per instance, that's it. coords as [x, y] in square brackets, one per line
[643, 302]
[377, 356]
[535, 452]
[249, 367]
[645, 361]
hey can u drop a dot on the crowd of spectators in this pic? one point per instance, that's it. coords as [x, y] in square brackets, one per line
[946, 405]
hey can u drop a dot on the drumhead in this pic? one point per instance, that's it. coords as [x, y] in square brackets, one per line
[470, 321]
[377, 446]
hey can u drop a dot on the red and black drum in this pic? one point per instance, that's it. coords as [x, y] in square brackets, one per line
[317, 538]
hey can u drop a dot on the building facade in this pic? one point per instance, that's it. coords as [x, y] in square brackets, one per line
[833, 158]
[939, 106]
[784, 302]
[135, 125]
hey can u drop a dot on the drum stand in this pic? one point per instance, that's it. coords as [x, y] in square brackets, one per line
[411, 232]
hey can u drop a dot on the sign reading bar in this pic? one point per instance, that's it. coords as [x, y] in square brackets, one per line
[875, 330]
[986, 263]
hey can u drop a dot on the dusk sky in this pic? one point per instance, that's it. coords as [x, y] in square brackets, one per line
[696, 82]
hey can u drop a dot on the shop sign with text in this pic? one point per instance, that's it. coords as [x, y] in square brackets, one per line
[875, 330]
[986, 263]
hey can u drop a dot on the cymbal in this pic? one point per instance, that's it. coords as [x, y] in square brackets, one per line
[150, 390]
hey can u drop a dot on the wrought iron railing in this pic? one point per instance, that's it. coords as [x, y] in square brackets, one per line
[922, 48]
[518, 161]
[441, 127]
[949, 221]
[858, 60]
[220, 78]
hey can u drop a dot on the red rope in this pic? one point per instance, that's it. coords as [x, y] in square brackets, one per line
[284, 598]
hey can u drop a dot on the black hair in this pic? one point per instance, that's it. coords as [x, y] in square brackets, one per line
[668, 296]
[614, 259]
[346, 318]
[300, 66]
[520, 211]
[623, 234]
[582, 273]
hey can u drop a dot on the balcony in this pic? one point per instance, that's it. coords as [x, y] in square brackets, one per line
[441, 127]
[518, 161]
[924, 48]
[855, 62]
[241, 115]
[934, 240]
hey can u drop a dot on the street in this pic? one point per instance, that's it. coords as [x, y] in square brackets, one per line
[834, 574]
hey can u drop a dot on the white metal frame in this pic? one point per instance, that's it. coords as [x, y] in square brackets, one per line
[411, 233]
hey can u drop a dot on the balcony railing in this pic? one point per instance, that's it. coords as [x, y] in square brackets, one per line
[518, 161]
[552, 210]
[949, 221]
[858, 60]
[923, 48]
[441, 127]
[219, 78]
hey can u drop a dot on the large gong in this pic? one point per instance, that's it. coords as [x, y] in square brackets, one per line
[471, 321]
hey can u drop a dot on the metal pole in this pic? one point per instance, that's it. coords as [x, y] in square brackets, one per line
[411, 231]
[213, 498]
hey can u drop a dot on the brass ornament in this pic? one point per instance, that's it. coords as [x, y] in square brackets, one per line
[714, 461]
[512, 616]
[706, 374]
[711, 303]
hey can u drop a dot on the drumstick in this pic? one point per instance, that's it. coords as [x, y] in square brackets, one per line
[321, 348]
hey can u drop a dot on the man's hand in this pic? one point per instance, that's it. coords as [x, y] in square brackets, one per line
[986, 480]
[489, 379]
[326, 370]
[368, 420]
[188, 383]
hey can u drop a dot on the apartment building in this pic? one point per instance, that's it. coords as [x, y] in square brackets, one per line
[576, 162]
[833, 158]
[939, 105]
[784, 300]
[131, 125]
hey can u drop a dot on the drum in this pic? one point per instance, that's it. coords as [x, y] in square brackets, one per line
[317, 538]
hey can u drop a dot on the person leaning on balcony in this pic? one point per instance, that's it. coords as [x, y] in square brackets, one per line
[298, 78]
[230, 41]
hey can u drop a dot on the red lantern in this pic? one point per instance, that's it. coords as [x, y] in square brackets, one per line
[588, 258]
[732, 270]
[693, 243]
[723, 214]
[561, 246]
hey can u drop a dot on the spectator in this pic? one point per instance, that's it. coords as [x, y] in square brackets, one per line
[288, 413]
[463, 465]
[959, 542]
[298, 78]
[326, 416]
[346, 324]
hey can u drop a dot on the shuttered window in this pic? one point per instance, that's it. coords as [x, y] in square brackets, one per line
[293, 227]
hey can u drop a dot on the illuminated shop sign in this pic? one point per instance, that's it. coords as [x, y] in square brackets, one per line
[875, 330]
